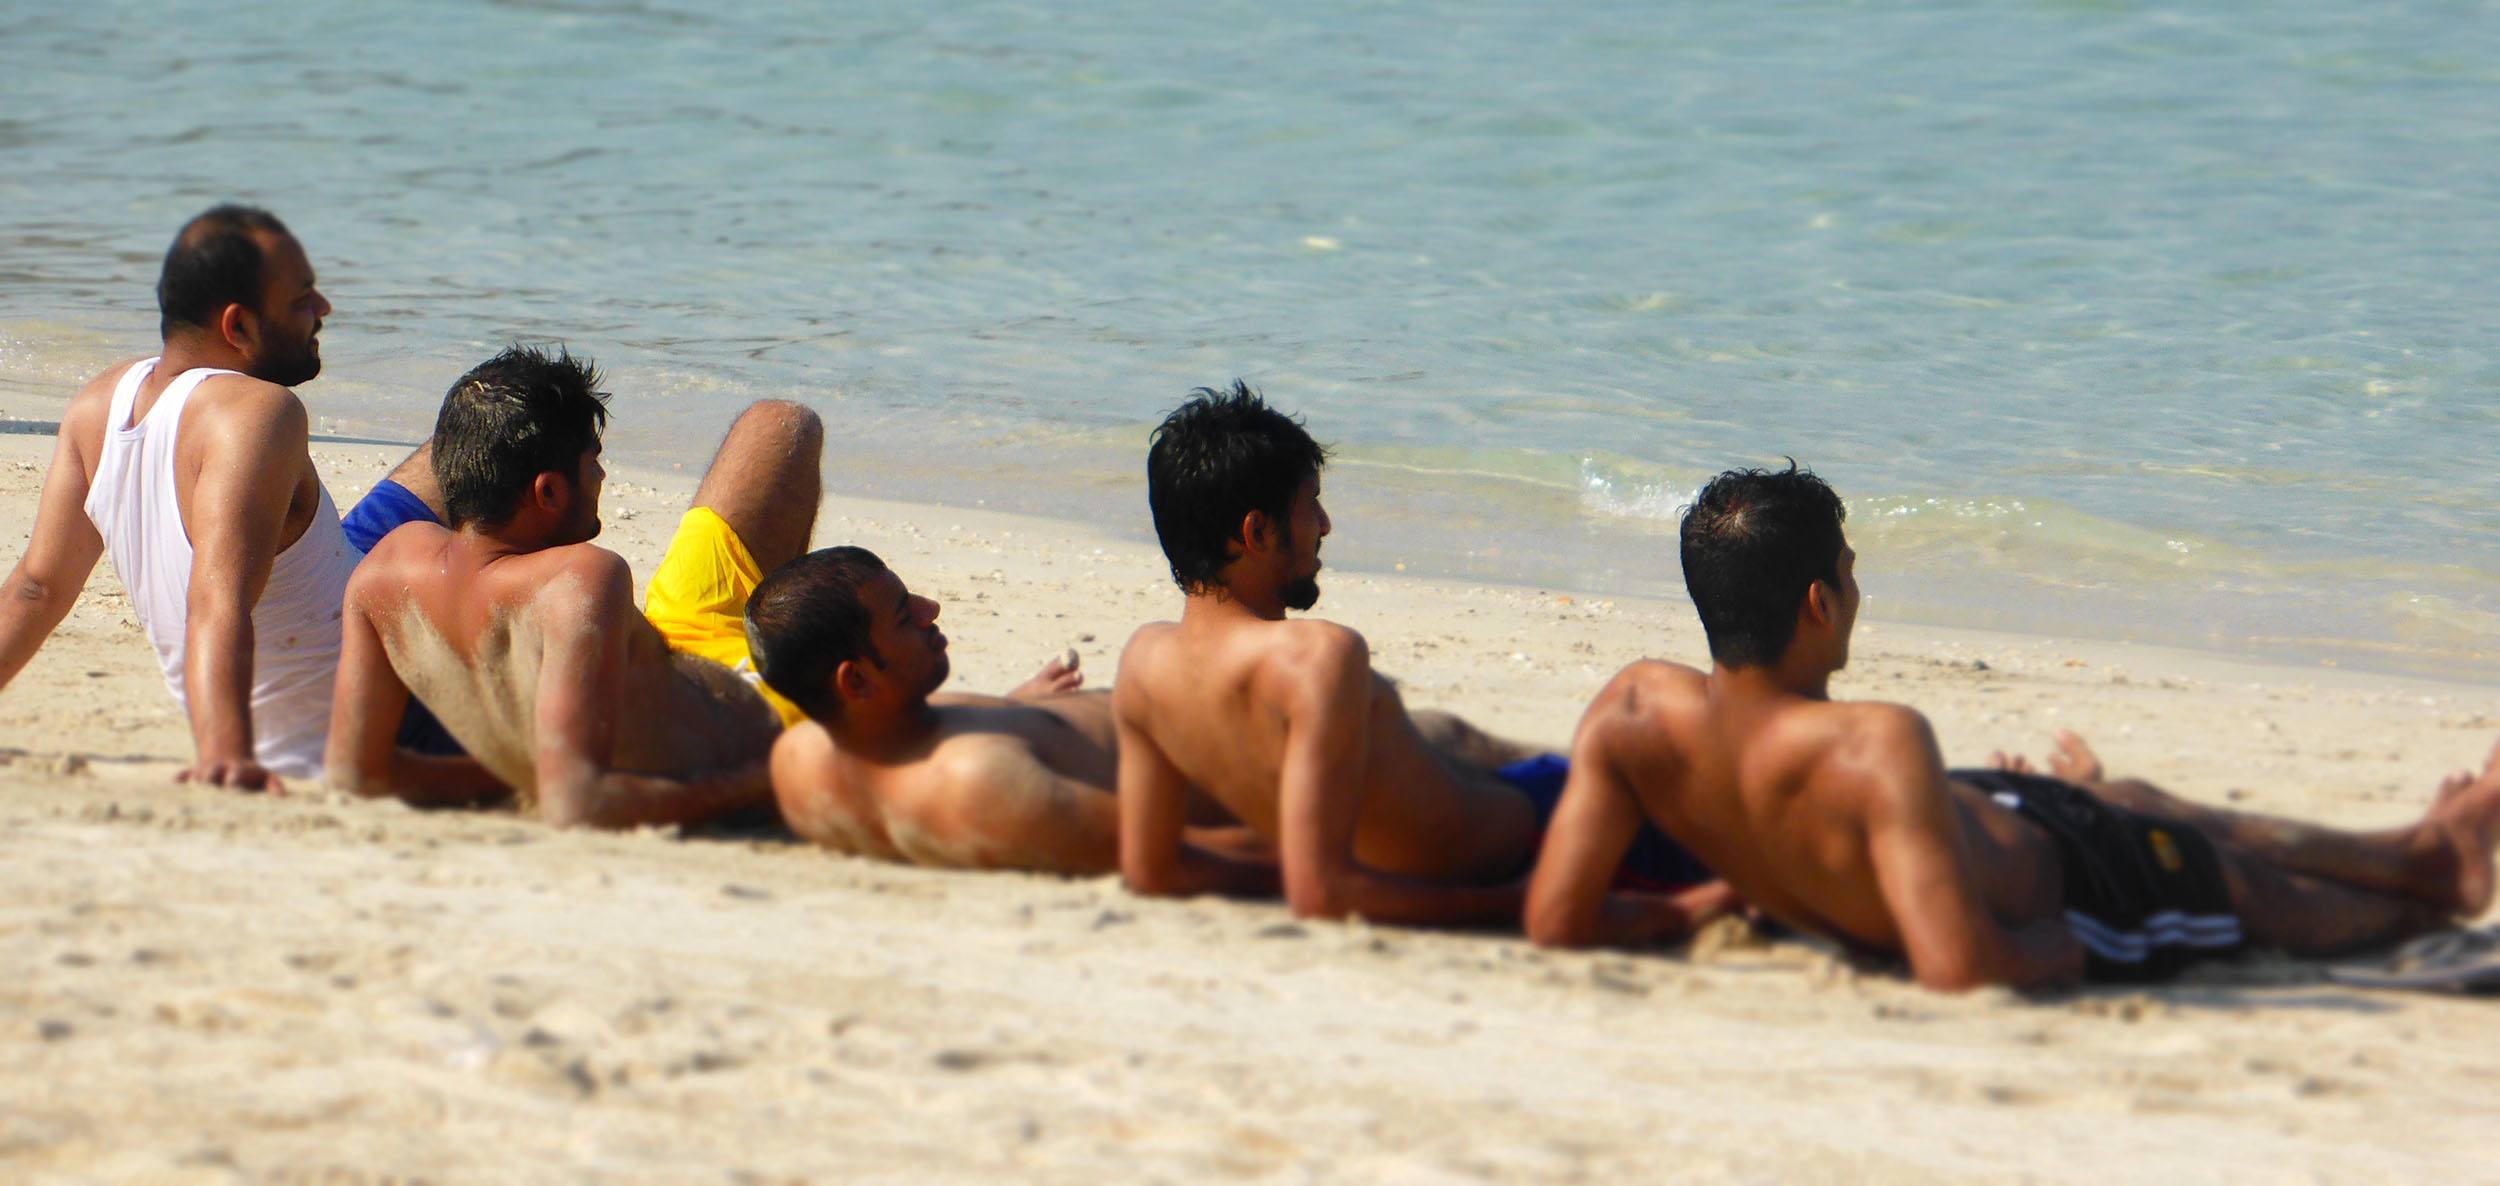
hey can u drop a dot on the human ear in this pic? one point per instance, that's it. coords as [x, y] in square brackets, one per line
[550, 489]
[238, 327]
[1822, 602]
[849, 680]
[1258, 533]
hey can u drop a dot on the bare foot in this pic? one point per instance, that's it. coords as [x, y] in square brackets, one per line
[2074, 761]
[2466, 819]
[1057, 676]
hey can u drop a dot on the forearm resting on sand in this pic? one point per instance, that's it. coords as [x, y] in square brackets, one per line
[1224, 868]
[1351, 890]
[1638, 919]
[421, 780]
[617, 799]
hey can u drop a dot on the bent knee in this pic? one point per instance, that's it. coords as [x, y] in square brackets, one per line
[793, 422]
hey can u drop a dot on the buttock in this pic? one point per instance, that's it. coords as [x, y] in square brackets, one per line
[2145, 896]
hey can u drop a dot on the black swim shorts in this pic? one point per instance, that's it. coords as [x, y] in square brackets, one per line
[2145, 896]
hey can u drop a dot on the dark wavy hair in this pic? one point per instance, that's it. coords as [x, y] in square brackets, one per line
[513, 417]
[1754, 541]
[806, 619]
[1216, 458]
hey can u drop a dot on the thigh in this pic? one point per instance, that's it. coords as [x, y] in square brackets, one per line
[764, 480]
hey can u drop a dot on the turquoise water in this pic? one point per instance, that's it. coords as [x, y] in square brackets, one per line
[2161, 323]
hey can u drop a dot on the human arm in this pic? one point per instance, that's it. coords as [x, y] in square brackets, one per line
[1571, 902]
[1157, 855]
[1324, 684]
[367, 705]
[1929, 880]
[585, 613]
[251, 447]
[63, 548]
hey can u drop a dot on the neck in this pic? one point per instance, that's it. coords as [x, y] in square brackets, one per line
[1228, 602]
[506, 540]
[1789, 678]
[192, 351]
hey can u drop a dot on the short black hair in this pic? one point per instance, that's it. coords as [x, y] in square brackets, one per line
[1754, 541]
[805, 619]
[215, 262]
[1218, 457]
[513, 417]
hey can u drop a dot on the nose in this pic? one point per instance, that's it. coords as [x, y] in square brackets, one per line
[924, 611]
[1324, 524]
[321, 304]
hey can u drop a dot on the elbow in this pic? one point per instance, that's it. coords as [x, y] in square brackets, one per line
[1150, 878]
[1318, 897]
[1949, 975]
[568, 807]
[1551, 925]
[346, 779]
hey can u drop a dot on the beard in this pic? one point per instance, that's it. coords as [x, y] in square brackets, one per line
[292, 365]
[1302, 593]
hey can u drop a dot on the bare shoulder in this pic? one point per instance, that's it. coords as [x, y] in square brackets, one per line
[584, 570]
[247, 403]
[1640, 705]
[397, 562]
[802, 759]
[1649, 686]
[1889, 750]
[1140, 660]
[83, 420]
[1312, 648]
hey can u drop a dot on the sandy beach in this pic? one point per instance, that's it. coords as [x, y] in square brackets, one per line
[211, 987]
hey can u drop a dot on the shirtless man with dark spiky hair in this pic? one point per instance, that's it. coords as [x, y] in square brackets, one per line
[523, 638]
[1839, 817]
[1284, 723]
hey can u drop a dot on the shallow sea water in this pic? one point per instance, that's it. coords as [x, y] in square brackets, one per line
[2118, 320]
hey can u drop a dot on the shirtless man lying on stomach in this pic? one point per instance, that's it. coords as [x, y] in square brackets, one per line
[524, 639]
[1841, 818]
[887, 767]
[1286, 725]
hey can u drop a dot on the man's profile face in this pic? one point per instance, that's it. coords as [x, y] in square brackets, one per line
[288, 352]
[904, 636]
[1846, 618]
[1305, 525]
[581, 522]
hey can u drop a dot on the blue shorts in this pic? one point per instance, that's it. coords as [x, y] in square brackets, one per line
[384, 507]
[1655, 862]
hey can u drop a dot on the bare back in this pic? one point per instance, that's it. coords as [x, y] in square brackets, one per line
[1219, 701]
[490, 642]
[1781, 797]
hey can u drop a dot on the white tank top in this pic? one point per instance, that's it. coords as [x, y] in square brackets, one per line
[295, 626]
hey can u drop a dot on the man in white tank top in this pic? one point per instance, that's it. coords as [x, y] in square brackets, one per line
[193, 470]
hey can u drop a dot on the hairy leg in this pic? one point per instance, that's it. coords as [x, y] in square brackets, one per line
[764, 480]
[2310, 916]
[1455, 740]
[2443, 860]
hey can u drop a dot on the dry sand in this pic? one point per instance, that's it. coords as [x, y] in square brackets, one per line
[215, 987]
